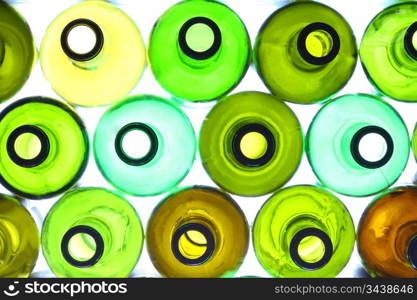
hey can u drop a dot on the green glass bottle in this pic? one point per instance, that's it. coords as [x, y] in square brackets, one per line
[17, 51]
[19, 239]
[388, 51]
[93, 54]
[92, 232]
[305, 52]
[387, 234]
[144, 145]
[303, 231]
[358, 145]
[199, 50]
[251, 143]
[197, 232]
[44, 147]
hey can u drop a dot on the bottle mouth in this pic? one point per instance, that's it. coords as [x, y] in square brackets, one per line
[412, 252]
[82, 40]
[410, 40]
[253, 145]
[318, 43]
[311, 248]
[193, 244]
[200, 38]
[372, 147]
[82, 246]
[28, 146]
[136, 144]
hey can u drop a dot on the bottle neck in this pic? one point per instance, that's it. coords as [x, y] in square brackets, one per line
[193, 243]
[404, 50]
[82, 41]
[309, 245]
[368, 146]
[85, 242]
[314, 46]
[199, 42]
[406, 244]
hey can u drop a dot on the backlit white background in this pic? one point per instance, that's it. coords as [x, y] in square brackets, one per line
[358, 13]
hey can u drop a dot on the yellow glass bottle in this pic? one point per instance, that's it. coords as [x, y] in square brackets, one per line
[93, 54]
[19, 239]
[197, 232]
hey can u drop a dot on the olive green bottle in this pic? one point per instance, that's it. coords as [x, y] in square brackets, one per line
[197, 232]
[388, 51]
[17, 51]
[303, 231]
[251, 143]
[144, 145]
[387, 234]
[93, 54]
[92, 232]
[44, 147]
[199, 50]
[19, 239]
[358, 145]
[305, 52]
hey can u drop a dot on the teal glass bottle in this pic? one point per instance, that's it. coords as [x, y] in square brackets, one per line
[388, 51]
[144, 145]
[44, 146]
[92, 232]
[199, 50]
[387, 234]
[19, 239]
[251, 143]
[305, 52]
[303, 231]
[197, 232]
[17, 51]
[358, 145]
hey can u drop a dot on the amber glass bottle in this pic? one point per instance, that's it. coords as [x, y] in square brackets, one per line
[387, 234]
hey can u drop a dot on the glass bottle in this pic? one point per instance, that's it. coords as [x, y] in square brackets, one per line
[199, 50]
[251, 143]
[44, 145]
[305, 52]
[93, 54]
[388, 51]
[144, 145]
[92, 232]
[303, 231]
[197, 232]
[358, 145]
[387, 234]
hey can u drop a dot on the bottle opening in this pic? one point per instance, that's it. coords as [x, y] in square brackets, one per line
[193, 244]
[82, 246]
[372, 147]
[412, 252]
[253, 145]
[82, 40]
[318, 43]
[199, 38]
[410, 40]
[28, 146]
[136, 144]
[311, 248]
